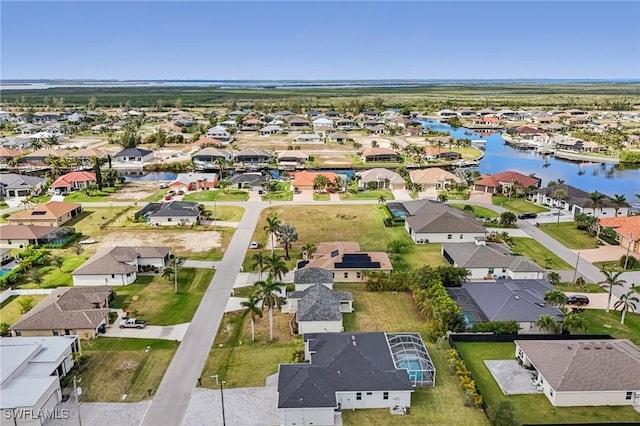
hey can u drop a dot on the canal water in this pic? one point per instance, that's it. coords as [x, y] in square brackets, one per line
[606, 178]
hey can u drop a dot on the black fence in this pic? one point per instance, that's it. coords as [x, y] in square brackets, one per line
[490, 337]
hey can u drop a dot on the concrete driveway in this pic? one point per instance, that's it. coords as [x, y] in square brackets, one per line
[170, 332]
[401, 195]
[601, 253]
[596, 300]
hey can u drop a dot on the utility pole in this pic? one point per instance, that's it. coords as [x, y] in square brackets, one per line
[76, 391]
[215, 216]
[176, 261]
[626, 260]
[575, 270]
[224, 423]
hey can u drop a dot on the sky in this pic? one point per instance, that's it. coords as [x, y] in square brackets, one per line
[319, 40]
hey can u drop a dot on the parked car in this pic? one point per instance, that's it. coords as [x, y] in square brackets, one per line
[527, 216]
[133, 323]
[171, 192]
[577, 299]
[254, 245]
[181, 192]
[167, 198]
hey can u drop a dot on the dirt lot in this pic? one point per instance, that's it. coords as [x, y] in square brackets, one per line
[179, 241]
[135, 191]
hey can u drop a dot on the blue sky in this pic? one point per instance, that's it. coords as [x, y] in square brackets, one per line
[320, 40]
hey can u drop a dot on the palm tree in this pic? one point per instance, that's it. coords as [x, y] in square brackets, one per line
[597, 201]
[258, 260]
[268, 291]
[555, 297]
[307, 250]
[382, 199]
[559, 195]
[321, 182]
[443, 197]
[287, 235]
[96, 163]
[224, 184]
[629, 302]
[394, 145]
[548, 323]
[276, 266]
[55, 166]
[251, 303]
[271, 229]
[221, 163]
[554, 278]
[611, 280]
[167, 273]
[574, 322]
[619, 202]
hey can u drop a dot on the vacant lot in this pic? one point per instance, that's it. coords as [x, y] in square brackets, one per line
[374, 194]
[601, 322]
[518, 205]
[180, 241]
[153, 297]
[567, 234]
[10, 308]
[538, 253]
[117, 369]
[217, 195]
[532, 409]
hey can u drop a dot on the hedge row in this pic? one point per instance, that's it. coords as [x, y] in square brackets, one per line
[457, 367]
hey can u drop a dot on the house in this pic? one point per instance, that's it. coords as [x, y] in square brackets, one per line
[73, 181]
[322, 122]
[349, 371]
[20, 236]
[368, 124]
[503, 182]
[431, 221]
[83, 156]
[490, 261]
[578, 145]
[291, 160]
[466, 113]
[40, 156]
[306, 277]
[249, 180]
[282, 114]
[487, 122]
[380, 178]
[235, 114]
[339, 137]
[253, 156]
[447, 113]
[346, 261]
[627, 229]
[67, 311]
[304, 180]
[7, 155]
[577, 201]
[332, 114]
[575, 373]
[379, 154]
[220, 133]
[205, 142]
[318, 309]
[31, 371]
[271, 129]
[298, 122]
[346, 124]
[53, 213]
[308, 138]
[13, 185]
[506, 300]
[134, 156]
[434, 178]
[173, 213]
[377, 130]
[120, 265]
[485, 111]
[194, 181]
[206, 159]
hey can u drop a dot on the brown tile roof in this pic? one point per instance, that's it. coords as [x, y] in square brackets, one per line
[433, 175]
[67, 308]
[52, 210]
[25, 232]
[305, 178]
[493, 181]
[87, 152]
[585, 365]
[322, 257]
[378, 151]
[11, 153]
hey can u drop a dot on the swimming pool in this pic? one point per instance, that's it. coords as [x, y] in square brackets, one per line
[468, 318]
[4, 272]
[397, 210]
[414, 368]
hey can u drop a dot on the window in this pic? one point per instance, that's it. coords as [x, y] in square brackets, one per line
[550, 392]
[629, 396]
[449, 236]
[504, 270]
[385, 395]
[519, 352]
[369, 393]
[359, 396]
[55, 333]
[358, 275]
[67, 332]
[346, 275]
[113, 276]
[461, 236]
[168, 219]
[18, 333]
[9, 241]
[490, 270]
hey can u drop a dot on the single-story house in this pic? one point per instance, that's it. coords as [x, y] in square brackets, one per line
[384, 178]
[7, 154]
[180, 213]
[431, 221]
[205, 159]
[298, 122]
[308, 138]
[348, 371]
[13, 185]
[322, 122]
[306, 277]
[254, 156]
[318, 309]
[577, 201]
[573, 373]
[282, 114]
[39, 157]
[578, 145]
[31, 379]
[194, 181]
[134, 156]
[84, 155]
[304, 180]
[490, 261]
[53, 213]
[249, 180]
[20, 236]
[120, 265]
[346, 124]
[434, 178]
[447, 113]
[331, 114]
[346, 261]
[627, 229]
[502, 182]
[220, 133]
[339, 137]
[369, 124]
[67, 311]
[271, 129]
[74, 180]
[506, 300]
[291, 160]
[205, 142]
[379, 154]
[377, 130]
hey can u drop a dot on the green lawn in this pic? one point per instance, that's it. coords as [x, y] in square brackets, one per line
[517, 205]
[227, 213]
[10, 308]
[81, 197]
[538, 253]
[321, 197]
[54, 277]
[88, 222]
[217, 195]
[478, 211]
[152, 297]
[531, 409]
[373, 194]
[113, 367]
[601, 322]
[614, 265]
[588, 288]
[571, 237]
[282, 192]
[156, 196]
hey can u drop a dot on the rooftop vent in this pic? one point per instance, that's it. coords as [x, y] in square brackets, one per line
[586, 348]
[570, 348]
[609, 347]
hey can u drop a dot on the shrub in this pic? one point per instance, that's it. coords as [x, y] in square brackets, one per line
[504, 414]
[457, 366]
[632, 263]
[497, 327]
[609, 235]
[4, 329]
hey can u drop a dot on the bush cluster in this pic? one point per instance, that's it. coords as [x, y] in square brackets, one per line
[458, 368]
[442, 313]
[496, 327]
[632, 263]
[29, 257]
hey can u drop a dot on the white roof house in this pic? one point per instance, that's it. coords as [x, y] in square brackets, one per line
[322, 122]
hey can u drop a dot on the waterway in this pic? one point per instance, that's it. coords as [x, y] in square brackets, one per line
[606, 178]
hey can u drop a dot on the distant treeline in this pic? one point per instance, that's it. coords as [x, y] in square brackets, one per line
[605, 96]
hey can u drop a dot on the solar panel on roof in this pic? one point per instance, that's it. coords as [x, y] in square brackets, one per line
[38, 213]
[335, 253]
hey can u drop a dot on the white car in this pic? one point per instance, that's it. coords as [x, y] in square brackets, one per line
[254, 245]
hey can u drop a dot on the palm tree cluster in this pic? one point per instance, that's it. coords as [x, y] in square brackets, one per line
[283, 232]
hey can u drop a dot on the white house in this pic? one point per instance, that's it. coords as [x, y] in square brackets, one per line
[578, 201]
[349, 371]
[118, 266]
[574, 373]
[133, 156]
[173, 213]
[323, 122]
[318, 309]
[308, 138]
[31, 371]
[220, 133]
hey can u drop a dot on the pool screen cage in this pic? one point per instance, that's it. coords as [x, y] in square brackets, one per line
[409, 353]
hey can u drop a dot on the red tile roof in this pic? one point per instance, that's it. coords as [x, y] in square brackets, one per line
[624, 225]
[305, 178]
[67, 180]
[493, 181]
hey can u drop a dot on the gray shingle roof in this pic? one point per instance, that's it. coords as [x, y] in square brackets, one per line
[312, 275]
[115, 260]
[318, 303]
[134, 152]
[12, 180]
[348, 362]
[171, 209]
[575, 196]
[440, 218]
[585, 365]
[491, 255]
